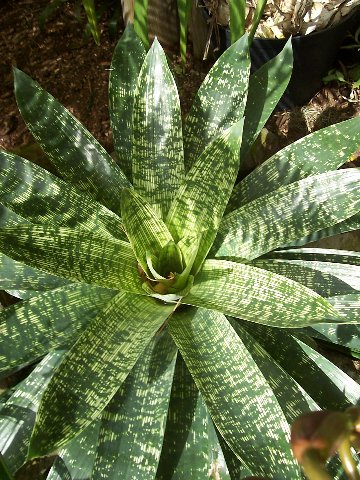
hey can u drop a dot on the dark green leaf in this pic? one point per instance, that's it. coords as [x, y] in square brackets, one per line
[129, 55]
[78, 157]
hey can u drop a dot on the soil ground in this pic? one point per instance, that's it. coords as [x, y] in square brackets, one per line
[75, 71]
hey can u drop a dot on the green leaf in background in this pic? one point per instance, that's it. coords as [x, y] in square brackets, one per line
[4, 471]
[140, 20]
[184, 9]
[94, 368]
[318, 152]
[201, 200]
[133, 423]
[266, 86]
[89, 6]
[26, 336]
[259, 10]
[74, 254]
[237, 19]
[204, 122]
[257, 295]
[128, 57]
[41, 197]
[17, 416]
[290, 212]
[78, 157]
[239, 400]
[157, 154]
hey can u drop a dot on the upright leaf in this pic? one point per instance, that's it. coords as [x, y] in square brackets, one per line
[29, 329]
[133, 423]
[220, 101]
[266, 86]
[78, 157]
[140, 20]
[290, 212]
[237, 19]
[184, 9]
[94, 368]
[89, 7]
[145, 230]
[257, 295]
[40, 197]
[157, 155]
[259, 10]
[240, 401]
[73, 254]
[200, 202]
[129, 55]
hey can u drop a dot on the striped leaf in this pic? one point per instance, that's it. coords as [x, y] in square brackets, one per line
[89, 7]
[319, 152]
[40, 197]
[9, 218]
[73, 254]
[292, 399]
[17, 416]
[348, 225]
[240, 401]
[201, 200]
[348, 306]
[76, 460]
[290, 212]
[220, 101]
[16, 275]
[305, 272]
[78, 157]
[133, 423]
[109, 348]
[318, 255]
[327, 385]
[266, 87]
[129, 55]
[190, 448]
[140, 20]
[257, 295]
[347, 336]
[144, 228]
[157, 154]
[29, 329]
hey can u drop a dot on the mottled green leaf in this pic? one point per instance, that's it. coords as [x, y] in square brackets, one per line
[288, 213]
[266, 87]
[17, 416]
[29, 329]
[348, 306]
[9, 218]
[347, 336]
[133, 423]
[78, 157]
[201, 200]
[190, 448]
[305, 272]
[40, 197]
[327, 385]
[220, 101]
[144, 228]
[94, 368]
[73, 254]
[319, 152]
[76, 460]
[318, 255]
[16, 275]
[257, 295]
[157, 154]
[127, 59]
[240, 401]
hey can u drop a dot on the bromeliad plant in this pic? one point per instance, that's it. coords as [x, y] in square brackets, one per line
[166, 313]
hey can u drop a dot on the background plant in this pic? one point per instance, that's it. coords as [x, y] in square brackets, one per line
[78, 277]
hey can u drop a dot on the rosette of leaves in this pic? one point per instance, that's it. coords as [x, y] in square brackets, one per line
[164, 312]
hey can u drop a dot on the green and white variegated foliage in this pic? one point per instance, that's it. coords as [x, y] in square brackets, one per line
[168, 318]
